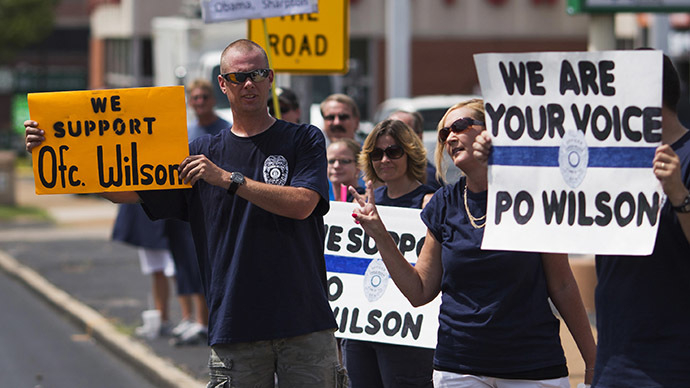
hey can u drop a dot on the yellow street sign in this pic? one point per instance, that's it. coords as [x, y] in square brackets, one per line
[307, 43]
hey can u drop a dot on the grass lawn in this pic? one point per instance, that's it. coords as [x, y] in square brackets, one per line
[22, 213]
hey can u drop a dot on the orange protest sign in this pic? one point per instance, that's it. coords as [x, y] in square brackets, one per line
[109, 140]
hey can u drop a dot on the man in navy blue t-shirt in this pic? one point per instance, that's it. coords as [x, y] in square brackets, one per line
[256, 208]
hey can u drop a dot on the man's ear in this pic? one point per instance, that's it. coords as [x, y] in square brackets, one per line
[221, 83]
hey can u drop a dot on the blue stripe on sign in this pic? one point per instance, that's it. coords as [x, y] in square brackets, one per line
[631, 157]
[346, 264]
[342, 264]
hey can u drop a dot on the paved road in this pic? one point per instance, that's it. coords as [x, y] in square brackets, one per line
[40, 348]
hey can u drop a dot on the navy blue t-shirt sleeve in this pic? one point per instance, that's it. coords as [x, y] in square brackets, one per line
[432, 214]
[160, 204]
[310, 169]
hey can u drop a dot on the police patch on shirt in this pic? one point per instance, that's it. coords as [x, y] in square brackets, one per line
[276, 170]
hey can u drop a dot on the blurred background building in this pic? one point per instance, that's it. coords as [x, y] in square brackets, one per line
[133, 43]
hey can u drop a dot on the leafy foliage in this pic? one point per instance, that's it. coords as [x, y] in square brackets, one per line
[24, 22]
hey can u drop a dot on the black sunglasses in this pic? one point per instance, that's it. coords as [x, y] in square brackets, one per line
[257, 75]
[392, 151]
[458, 126]
[341, 117]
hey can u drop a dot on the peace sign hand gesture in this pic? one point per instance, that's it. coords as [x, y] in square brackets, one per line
[366, 214]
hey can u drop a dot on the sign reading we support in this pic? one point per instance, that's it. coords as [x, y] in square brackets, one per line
[311, 43]
[366, 303]
[109, 140]
[213, 11]
[574, 136]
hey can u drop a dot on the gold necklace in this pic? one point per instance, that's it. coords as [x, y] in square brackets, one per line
[473, 219]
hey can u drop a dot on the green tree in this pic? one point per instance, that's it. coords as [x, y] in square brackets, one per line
[24, 22]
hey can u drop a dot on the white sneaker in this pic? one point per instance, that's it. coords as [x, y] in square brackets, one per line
[196, 334]
[181, 327]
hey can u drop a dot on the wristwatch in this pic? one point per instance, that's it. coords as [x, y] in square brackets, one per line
[236, 180]
[684, 207]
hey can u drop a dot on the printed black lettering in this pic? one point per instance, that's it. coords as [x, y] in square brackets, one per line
[645, 208]
[554, 207]
[406, 243]
[588, 77]
[119, 126]
[568, 79]
[514, 113]
[582, 218]
[621, 200]
[503, 202]
[535, 78]
[59, 128]
[353, 323]
[355, 241]
[75, 130]
[523, 197]
[334, 238]
[513, 77]
[495, 116]
[374, 324]
[581, 120]
[99, 104]
[533, 133]
[601, 203]
[631, 111]
[149, 125]
[601, 113]
[52, 166]
[651, 124]
[606, 78]
[334, 288]
[146, 170]
[369, 245]
[556, 116]
[103, 125]
[394, 318]
[572, 207]
[115, 103]
[412, 326]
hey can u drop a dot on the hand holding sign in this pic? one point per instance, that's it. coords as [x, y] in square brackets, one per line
[34, 136]
[482, 147]
[668, 172]
[195, 167]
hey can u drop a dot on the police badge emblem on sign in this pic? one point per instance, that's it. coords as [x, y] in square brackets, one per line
[573, 158]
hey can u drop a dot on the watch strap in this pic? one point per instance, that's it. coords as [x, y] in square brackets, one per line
[236, 180]
[684, 207]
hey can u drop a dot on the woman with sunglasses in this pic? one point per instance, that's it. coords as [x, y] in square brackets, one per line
[343, 172]
[394, 156]
[496, 327]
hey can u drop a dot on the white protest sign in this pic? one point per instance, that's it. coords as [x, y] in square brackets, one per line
[574, 136]
[366, 303]
[213, 11]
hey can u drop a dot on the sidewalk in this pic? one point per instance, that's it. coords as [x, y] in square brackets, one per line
[73, 264]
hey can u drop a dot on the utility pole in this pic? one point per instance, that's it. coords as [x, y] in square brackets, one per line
[398, 48]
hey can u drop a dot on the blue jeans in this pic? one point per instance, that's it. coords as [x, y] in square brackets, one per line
[378, 365]
[307, 361]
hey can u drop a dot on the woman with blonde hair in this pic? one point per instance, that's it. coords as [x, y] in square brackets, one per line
[394, 156]
[496, 327]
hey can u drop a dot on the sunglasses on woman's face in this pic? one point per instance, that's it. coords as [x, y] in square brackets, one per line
[458, 126]
[257, 75]
[392, 151]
